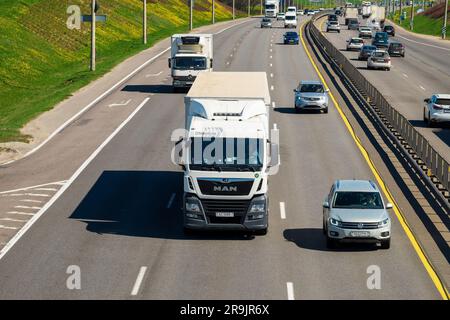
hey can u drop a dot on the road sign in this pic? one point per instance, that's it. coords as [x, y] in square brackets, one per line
[88, 18]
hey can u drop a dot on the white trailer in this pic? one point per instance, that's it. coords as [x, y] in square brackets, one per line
[350, 13]
[227, 153]
[190, 54]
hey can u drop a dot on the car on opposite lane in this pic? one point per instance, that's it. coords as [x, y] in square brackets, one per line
[366, 51]
[437, 109]
[333, 26]
[266, 23]
[365, 32]
[354, 211]
[291, 37]
[355, 43]
[396, 49]
[311, 95]
[379, 59]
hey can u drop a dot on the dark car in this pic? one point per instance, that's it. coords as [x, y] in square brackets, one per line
[396, 49]
[389, 30]
[353, 24]
[291, 37]
[366, 51]
[381, 40]
[338, 13]
[332, 17]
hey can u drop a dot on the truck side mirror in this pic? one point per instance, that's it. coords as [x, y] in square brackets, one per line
[170, 63]
[389, 206]
[274, 155]
[426, 100]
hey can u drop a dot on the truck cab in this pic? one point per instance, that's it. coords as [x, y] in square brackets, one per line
[228, 153]
[190, 54]
[290, 20]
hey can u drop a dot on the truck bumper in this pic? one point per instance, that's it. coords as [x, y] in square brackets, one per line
[178, 83]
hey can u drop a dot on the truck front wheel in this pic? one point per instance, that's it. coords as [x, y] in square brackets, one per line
[261, 232]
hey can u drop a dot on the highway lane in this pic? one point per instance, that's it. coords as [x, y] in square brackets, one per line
[424, 70]
[118, 216]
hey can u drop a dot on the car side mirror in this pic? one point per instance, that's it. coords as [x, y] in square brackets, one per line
[295, 90]
[326, 205]
[327, 90]
[426, 100]
[389, 206]
[170, 62]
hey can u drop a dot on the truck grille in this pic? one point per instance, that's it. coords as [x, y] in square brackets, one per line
[238, 207]
[359, 225]
[230, 187]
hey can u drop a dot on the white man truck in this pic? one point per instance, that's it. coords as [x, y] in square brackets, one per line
[290, 20]
[350, 13]
[366, 11]
[271, 8]
[227, 153]
[190, 54]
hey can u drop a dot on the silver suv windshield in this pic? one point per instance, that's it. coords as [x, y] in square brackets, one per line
[316, 88]
[357, 200]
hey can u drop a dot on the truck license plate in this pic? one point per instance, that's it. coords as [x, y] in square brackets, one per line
[225, 214]
[360, 234]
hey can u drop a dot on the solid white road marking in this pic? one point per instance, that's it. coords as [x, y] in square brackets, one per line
[46, 189]
[121, 104]
[104, 94]
[33, 187]
[138, 282]
[290, 290]
[12, 220]
[29, 200]
[21, 213]
[405, 75]
[26, 207]
[172, 197]
[153, 74]
[37, 194]
[28, 225]
[5, 227]
[424, 44]
[282, 210]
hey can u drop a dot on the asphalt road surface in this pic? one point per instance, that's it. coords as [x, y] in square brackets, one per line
[425, 70]
[120, 222]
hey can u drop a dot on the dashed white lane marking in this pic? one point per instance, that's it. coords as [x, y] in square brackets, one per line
[271, 50]
[153, 74]
[172, 197]
[12, 220]
[33, 187]
[271, 57]
[26, 207]
[273, 104]
[424, 44]
[405, 75]
[271, 75]
[46, 189]
[271, 88]
[290, 290]
[231, 55]
[21, 213]
[120, 104]
[37, 194]
[271, 65]
[9, 228]
[30, 201]
[282, 210]
[138, 282]
[228, 63]
[421, 87]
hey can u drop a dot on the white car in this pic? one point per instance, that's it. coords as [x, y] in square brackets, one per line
[354, 211]
[379, 59]
[355, 43]
[280, 16]
[333, 26]
[300, 12]
[290, 20]
[437, 109]
[365, 32]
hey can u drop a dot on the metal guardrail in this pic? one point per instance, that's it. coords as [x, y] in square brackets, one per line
[437, 165]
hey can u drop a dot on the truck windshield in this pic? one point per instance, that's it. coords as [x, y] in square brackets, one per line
[270, 6]
[226, 154]
[315, 88]
[186, 63]
[358, 200]
[290, 18]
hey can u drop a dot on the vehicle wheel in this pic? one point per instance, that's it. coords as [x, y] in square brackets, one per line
[324, 229]
[261, 232]
[424, 116]
[403, 55]
[325, 110]
[297, 110]
[388, 69]
[385, 244]
[339, 31]
[331, 243]
[429, 122]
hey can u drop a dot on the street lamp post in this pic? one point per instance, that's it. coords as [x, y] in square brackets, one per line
[191, 9]
[144, 22]
[213, 11]
[93, 35]
[444, 28]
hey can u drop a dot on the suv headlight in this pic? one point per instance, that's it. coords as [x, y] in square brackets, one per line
[383, 223]
[334, 222]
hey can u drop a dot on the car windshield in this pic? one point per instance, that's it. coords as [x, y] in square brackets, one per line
[358, 200]
[445, 102]
[290, 18]
[381, 36]
[365, 29]
[195, 63]
[316, 88]
[208, 153]
[379, 54]
[357, 41]
[291, 35]
[335, 23]
[369, 48]
[388, 28]
[396, 45]
[266, 20]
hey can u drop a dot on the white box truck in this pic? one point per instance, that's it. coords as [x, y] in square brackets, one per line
[350, 13]
[290, 20]
[366, 11]
[227, 152]
[190, 54]
[271, 8]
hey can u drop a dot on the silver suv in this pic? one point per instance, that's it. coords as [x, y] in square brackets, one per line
[311, 95]
[266, 23]
[354, 211]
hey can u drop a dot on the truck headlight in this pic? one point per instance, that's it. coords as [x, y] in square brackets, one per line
[383, 223]
[258, 208]
[192, 205]
[334, 222]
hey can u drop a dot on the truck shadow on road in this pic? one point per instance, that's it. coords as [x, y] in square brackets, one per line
[138, 204]
[156, 88]
[314, 239]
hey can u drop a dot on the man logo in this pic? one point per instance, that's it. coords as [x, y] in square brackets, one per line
[225, 188]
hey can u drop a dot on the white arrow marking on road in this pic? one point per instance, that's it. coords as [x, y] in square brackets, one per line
[153, 74]
[123, 103]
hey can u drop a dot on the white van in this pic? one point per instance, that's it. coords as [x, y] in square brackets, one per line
[291, 9]
[290, 20]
